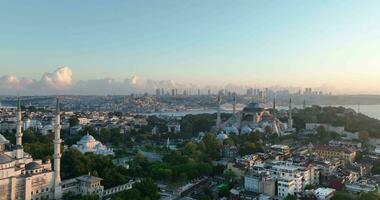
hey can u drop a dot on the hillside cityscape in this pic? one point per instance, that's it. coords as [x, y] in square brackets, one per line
[153, 146]
[190, 100]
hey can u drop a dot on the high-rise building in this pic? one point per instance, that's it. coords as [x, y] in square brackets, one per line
[234, 104]
[250, 92]
[158, 92]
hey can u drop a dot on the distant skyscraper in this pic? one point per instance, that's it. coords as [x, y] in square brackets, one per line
[250, 92]
[304, 104]
[234, 104]
[308, 91]
[209, 92]
[256, 92]
[199, 92]
[173, 92]
[158, 92]
[261, 96]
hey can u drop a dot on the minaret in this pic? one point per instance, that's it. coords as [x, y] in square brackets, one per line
[274, 108]
[57, 154]
[19, 148]
[290, 118]
[234, 105]
[168, 143]
[19, 124]
[218, 119]
[274, 125]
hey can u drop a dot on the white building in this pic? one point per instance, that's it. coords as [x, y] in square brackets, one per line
[290, 178]
[324, 193]
[260, 183]
[285, 187]
[89, 144]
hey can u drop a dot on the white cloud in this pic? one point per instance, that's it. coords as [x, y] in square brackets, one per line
[61, 82]
[9, 81]
[59, 79]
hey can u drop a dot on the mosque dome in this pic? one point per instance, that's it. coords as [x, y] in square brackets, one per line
[5, 159]
[253, 107]
[87, 138]
[32, 166]
[246, 130]
[221, 136]
[3, 140]
[259, 130]
[231, 129]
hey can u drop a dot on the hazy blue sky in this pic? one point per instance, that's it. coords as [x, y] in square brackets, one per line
[295, 43]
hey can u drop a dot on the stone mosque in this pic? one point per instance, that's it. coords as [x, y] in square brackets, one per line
[22, 177]
[254, 117]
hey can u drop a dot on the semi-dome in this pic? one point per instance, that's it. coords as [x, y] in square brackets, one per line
[232, 130]
[3, 140]
[221, 136]
[32, 166]
[5, 159]
[246, 130]
[253, 107]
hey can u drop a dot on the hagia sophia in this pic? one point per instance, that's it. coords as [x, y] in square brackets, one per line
[253, 117]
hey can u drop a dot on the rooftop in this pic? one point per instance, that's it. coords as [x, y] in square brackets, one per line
[88, 178]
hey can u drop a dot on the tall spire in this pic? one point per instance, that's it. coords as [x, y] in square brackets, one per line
[218, 119]
[168, 143]
[274, 123]
[234, 104]
[274, 108]
[290, 117]
[19, 124]
[19, 152]
[57, 153]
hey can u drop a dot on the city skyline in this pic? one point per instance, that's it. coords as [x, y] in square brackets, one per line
[331, 45]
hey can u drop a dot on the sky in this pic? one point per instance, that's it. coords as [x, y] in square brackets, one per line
[124, 46]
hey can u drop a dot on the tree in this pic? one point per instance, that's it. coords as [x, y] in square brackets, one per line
[145, 190]
[229, 176]
[290, 197]
[342, 195]
[132, 194]
[250, 148]
[71, 196]
[373, 195]
[363, 135]
[73, 121]
[211, 145]
[74, 164]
